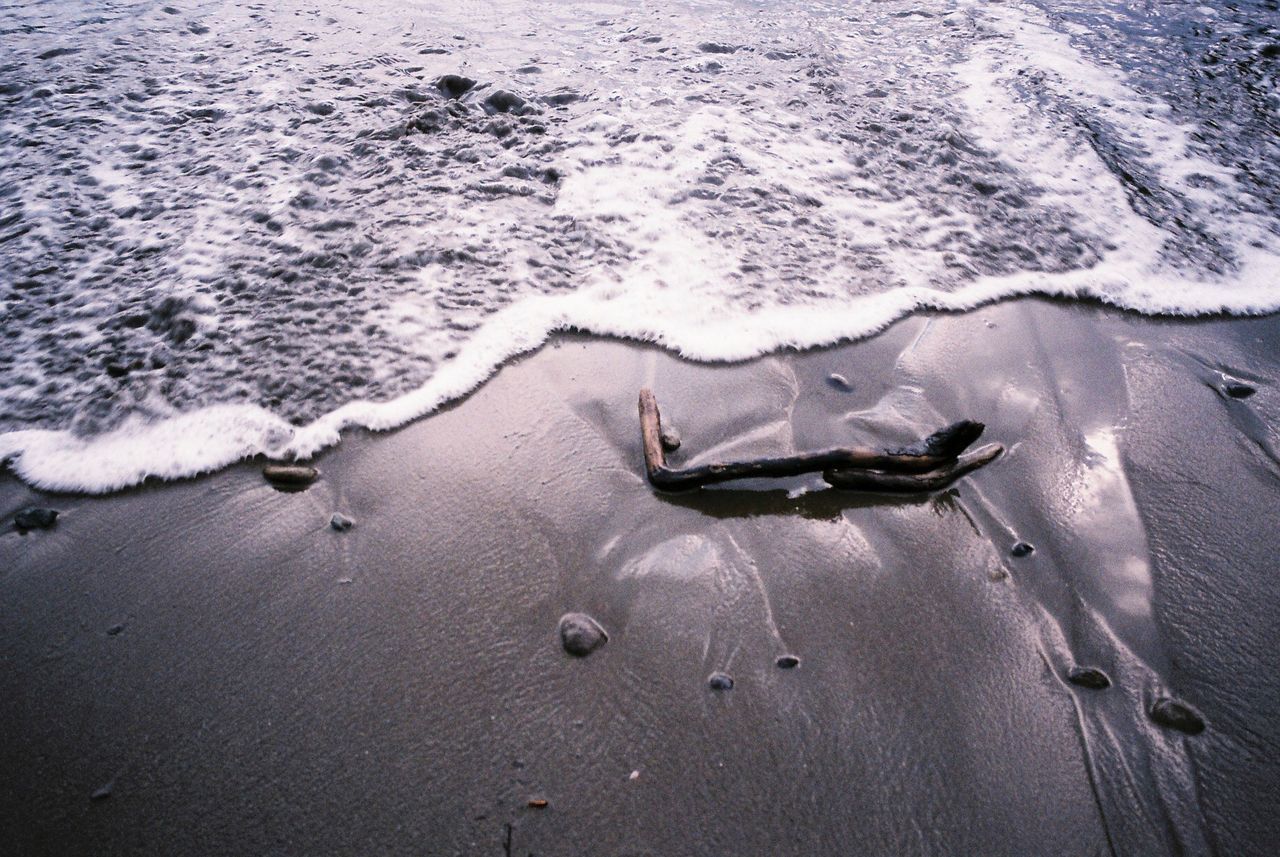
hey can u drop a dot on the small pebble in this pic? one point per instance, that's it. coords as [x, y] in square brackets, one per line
[635, 775]
[670, 439]
[1176, 715]
[538, 803]
[839, 382]
[35, 518]
[341, 522]
[1022, 549]
[115, 630]
[1094, 679]
[580, 634]
[1239, 391]
[290, 475]
[104, 792]
[787, 662]
[720, 681]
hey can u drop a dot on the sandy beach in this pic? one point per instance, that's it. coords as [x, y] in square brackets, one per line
[207, 667]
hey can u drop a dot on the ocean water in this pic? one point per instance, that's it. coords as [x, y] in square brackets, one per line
[237, 228]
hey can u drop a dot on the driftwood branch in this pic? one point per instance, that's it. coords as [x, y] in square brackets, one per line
[927, 465]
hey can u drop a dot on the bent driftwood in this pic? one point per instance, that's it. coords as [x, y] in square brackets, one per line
[930, 464]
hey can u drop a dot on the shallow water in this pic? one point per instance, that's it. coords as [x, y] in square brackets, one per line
[233, 229]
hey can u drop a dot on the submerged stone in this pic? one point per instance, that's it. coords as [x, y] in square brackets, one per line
[502, 101]
[1177, 715]
[341, 522]
[720, 681]
[787, 662]
[35, 518]
[580, 634]
[1094, 679]
[455, 85]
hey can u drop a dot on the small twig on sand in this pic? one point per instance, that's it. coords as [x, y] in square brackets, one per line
[924, 466]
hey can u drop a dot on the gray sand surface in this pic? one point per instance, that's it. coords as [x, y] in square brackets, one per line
[228, 674]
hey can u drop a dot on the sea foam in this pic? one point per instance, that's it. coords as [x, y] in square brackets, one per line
[737, 221]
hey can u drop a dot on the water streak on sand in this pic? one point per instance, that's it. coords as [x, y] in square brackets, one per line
[241, 232]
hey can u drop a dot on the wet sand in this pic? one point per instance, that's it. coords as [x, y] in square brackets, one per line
[207, 667]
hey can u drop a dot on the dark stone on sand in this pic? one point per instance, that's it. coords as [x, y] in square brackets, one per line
[670, 439]
[1176, 715]
[1022, 549]
[115, 630]
[502, 101]
[290, 475]
[341, 522]
[580, 634]
[716, 48]
[839, 382]
[35, 518]
[1239, 391]
[455, 85]
[720, 681]
[787, 662]
[1093, 679]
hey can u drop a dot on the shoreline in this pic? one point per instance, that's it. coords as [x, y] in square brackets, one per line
[206, 440]
[277, 686]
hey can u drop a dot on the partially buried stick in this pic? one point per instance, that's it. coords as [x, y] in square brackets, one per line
[927, 465]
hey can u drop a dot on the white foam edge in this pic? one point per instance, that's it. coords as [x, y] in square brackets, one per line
[214, 437]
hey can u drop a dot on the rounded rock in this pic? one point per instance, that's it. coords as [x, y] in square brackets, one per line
[1093, 679]
[1022, 549]
[787, 662]
[670, 438]
[341, 522]
[35, 518]
[581, 635]
[290, 476]
[720, 681]
[1237, 390]
[1173, 714]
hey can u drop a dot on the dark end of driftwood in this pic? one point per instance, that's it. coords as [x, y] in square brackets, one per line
[930, 464]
